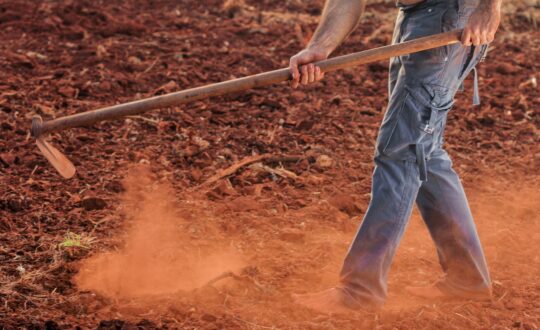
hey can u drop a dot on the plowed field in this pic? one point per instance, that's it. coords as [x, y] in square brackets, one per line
[140, 238]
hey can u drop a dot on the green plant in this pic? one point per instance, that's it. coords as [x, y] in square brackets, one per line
[75, 240]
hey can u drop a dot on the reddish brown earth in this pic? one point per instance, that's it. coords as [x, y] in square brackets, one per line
[156, 242]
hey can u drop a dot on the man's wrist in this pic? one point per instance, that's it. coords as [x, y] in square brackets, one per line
[320, 48]
[493, 6]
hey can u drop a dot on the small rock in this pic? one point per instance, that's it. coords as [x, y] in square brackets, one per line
[12, 205]
[336, 100]
[6, 126]
[111, 324]
[67, 91]
[497, 305]
[515, 303]
[93, 203]
[305, 125]
[270, 104]
[146, 324]
[233, 7]
[323, 161]
[518, 115]
[195, 174]
[528, 326]
[115, 186]
[486, 120]
[7, 159]
[345, 203]
[297, 96]
[36, 55]
[134, 60]
[224, 187]
[201, 143]
[75, 198]
[105, 86]
[101, 51]
[167, 88]
[243, 203]
[506, 68]
[51, 325]
[21, 270]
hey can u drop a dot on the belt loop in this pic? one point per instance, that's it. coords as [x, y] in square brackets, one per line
[421, 161]
[476, 93]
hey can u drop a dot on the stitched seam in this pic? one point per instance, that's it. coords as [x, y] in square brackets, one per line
[394, 125]
[401, 209]
[445, 49]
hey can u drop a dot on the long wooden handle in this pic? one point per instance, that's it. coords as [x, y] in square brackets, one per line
[240, 84]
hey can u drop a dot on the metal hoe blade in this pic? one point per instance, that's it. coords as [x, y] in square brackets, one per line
[56, 158]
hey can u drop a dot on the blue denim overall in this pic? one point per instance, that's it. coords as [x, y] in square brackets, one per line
[411, 164]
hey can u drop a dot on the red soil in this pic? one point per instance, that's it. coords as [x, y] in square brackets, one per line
[159, 238]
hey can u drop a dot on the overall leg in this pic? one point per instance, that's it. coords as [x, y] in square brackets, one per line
[441, 198]
[445, 211]
[363, 276]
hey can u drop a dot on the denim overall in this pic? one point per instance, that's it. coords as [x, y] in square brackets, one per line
[411, 164]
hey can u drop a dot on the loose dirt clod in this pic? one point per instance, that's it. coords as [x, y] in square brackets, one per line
[233, 7]
[324, 161]
[345, 203]
[93, 203]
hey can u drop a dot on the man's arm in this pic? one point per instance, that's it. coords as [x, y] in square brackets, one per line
[339, 18]
[483, 23]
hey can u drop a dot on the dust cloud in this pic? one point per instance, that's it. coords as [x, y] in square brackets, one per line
[160, 254]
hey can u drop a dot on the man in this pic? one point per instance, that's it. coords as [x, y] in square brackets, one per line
[410, 162]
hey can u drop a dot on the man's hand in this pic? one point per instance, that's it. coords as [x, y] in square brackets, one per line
[303, 70]
[338, 19]
[482, 24]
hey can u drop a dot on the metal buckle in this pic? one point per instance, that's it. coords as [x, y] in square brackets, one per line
[428, 129]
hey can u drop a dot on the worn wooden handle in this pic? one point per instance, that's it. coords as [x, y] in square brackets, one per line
[236, 85]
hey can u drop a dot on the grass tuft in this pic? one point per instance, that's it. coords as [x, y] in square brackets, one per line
[72, 240]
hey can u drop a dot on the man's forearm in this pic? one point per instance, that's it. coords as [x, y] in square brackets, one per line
[339, 18]
[493, 5]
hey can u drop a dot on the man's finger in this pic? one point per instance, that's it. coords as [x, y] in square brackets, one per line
[311, 73]
[304, 78]
[293, 68]
[483, 38]
[319, 75]
[466, 37]
[476, 39]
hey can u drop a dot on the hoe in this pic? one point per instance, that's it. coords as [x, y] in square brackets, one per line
[64, 166]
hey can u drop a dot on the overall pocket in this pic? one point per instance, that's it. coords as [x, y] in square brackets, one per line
[418, 121]
[475, 55]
